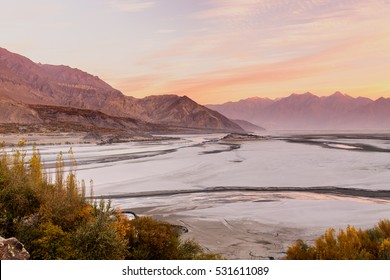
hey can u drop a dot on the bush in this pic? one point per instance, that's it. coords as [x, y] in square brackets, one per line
[98, 239]
[56, 221]
[151, 240]
[52, 243]
[190, 250]
[349, 244]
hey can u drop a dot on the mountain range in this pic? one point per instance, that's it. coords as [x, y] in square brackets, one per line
[308, 111]
[49, 95]
[57, 97]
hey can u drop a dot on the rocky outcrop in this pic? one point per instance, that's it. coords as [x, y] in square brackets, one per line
[242, 137]
[14, 112]
[12, 249]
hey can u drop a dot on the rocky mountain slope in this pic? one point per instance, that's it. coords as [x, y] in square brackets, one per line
[24, 82]
[308, 111]
[183, 112]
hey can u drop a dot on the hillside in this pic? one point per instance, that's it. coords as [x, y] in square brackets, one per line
[24, 82]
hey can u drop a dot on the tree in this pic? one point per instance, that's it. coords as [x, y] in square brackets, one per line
[56, 220]
[98, 238]
[349, 244]
[151, 240]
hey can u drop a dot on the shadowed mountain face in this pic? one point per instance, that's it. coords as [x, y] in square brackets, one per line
[308, 111]
[182, 111]
[23, 83]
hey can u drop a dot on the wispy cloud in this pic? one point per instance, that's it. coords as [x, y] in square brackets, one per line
[227, 8]
[288, 29]
[311, 66]
[166, 31]
[137, 83]
[131, 5]
[284, 12]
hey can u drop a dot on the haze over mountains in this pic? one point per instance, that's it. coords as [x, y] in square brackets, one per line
[60, 96]
[34, 93]
[308, 111]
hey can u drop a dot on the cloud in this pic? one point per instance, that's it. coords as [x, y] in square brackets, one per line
[166, 31]
[289, 29]
[326, 61]
[239, 47]
[284, 12]
[227, 8]
[339, 66]
[131, 5]
[136, 83]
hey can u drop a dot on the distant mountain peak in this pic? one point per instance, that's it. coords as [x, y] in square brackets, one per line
[381, 99]
[300, 95]
[257, 98]
[338, 94]
[308, 111]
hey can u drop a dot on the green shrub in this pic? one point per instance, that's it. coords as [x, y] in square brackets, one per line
[98, 239]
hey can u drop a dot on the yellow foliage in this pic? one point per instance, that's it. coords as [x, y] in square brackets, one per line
[52, 244]
[384, 228]
[59, 182]
[300, 251]
[56, 221]
[384, 249]
[36, 168]
[349, 244]
[122, 225]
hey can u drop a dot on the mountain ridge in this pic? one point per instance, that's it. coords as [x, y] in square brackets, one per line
[309, 111]
[24, 82]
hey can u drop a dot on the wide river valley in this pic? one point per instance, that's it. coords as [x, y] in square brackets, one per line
[244, 199]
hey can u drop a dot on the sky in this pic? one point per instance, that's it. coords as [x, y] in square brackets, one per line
[213, 51]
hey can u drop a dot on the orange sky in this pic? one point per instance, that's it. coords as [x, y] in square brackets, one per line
[211, 50]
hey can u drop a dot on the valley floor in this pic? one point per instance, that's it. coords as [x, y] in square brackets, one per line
[244, 199]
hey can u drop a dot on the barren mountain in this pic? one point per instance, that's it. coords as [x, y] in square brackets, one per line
[245, 109]
[184, 112]
[24, 82]
[308, 111]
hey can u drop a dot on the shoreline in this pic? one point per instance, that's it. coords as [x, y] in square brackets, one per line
[74, 138]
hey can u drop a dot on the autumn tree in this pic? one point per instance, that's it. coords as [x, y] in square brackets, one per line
[55, 220]
[349, 244]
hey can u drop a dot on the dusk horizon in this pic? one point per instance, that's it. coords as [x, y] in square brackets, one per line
[262, 96]
[213, 51]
